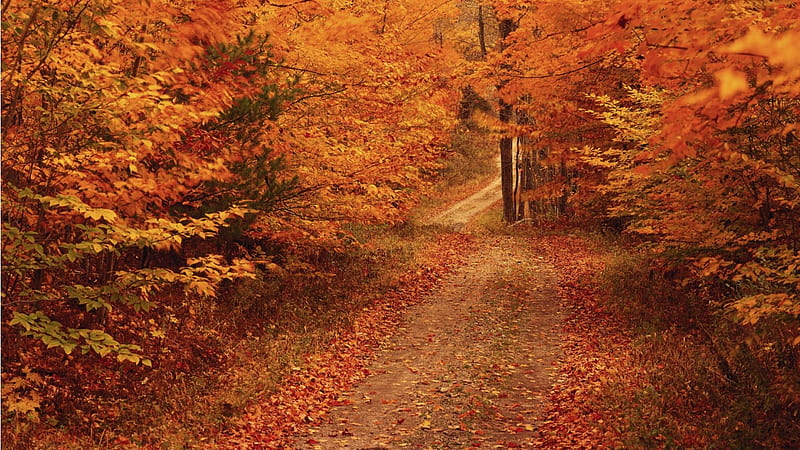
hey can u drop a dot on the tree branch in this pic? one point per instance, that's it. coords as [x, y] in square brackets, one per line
[319, 94]
[299, 69]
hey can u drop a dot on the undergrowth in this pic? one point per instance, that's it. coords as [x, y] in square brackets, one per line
[216, 356]
[708, 382]
[471, 163]
[472, 159]
[240, 347]
[701, 381]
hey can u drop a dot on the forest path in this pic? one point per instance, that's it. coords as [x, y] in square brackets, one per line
[471, 365]
[458, 215]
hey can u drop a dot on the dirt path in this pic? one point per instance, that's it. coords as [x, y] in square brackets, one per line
[471, 365]
[458, 215]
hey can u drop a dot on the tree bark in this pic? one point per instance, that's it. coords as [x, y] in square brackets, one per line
[481, 32]
[506, 113]
[507, 167]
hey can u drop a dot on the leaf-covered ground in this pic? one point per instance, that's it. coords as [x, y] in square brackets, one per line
[499, 343]
[317, 385]
[470, 366]
[596, 354]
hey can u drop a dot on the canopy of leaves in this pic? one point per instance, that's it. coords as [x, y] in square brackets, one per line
[154, 144]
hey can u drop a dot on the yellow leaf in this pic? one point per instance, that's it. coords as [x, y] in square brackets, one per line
[730, 82]
[101, 213]
[23, 404]
[158, 333]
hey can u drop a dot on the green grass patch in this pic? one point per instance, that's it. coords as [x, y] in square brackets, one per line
[473, 157]
[490, 222]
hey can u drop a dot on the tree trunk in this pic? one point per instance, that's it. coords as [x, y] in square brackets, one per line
[506, 151]
[481, 32]
[507, 166]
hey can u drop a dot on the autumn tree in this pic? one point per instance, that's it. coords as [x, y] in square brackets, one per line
[119, 138]
[710, 166]
[375, 115]
[541, 76]
[674, 123]
[704, 174]
[141, 139]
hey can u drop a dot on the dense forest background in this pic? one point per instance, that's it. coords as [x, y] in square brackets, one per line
[191, 189]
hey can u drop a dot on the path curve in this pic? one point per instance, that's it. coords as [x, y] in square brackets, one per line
[461, 213]
[458, 215]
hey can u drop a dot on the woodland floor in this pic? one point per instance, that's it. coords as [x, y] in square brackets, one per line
[471, 365]
[495, 340]
[496, 337]
[503, 348]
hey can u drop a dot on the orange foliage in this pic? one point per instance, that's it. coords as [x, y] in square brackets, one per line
[722, 173]
[689, 138]
[376, 110]
[140, 138]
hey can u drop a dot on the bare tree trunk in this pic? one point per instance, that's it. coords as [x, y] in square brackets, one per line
[507, 167]
[506, 151]
[518, 207]
[481, 32]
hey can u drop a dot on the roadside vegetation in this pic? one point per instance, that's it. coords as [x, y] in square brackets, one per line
[651, 362]
[705, 380]
[217, 357]
[212, 211]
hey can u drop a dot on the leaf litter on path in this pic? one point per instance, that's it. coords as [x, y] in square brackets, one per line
[497, 342]
[471, 366]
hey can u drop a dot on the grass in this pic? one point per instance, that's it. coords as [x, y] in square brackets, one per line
[490, 222]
